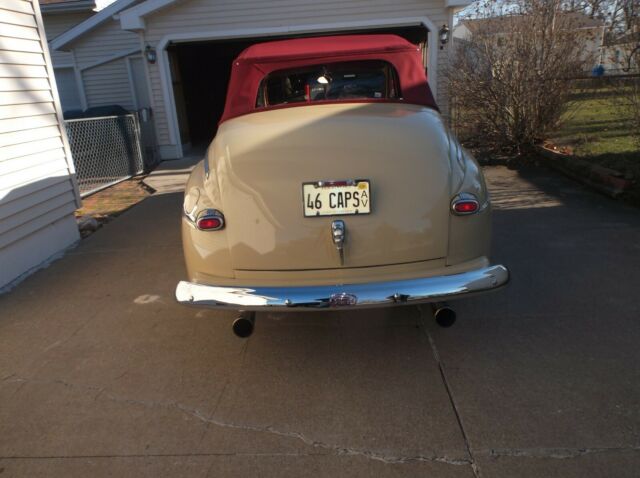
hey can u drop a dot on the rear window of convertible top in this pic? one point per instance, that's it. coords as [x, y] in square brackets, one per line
[330, 82]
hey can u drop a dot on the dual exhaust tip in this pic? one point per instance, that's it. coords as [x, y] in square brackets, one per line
[245, 323]
[445, 316]
[243, 326]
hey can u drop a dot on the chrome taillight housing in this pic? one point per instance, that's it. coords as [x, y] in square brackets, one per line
[210, 220]
[464, 204]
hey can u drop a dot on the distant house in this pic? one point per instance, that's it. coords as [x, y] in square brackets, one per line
[38, 194]
[590, 32]
[173, 57]
[621, 54]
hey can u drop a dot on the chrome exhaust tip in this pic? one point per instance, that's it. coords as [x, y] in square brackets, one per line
[445, 316]
[244, 324]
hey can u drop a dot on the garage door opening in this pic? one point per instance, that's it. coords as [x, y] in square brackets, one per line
[200, 74]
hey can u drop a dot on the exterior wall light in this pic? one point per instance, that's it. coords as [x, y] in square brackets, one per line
[150, 54]
[444, 35]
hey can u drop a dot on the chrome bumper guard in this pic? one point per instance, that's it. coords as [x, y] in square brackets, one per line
[373, 294]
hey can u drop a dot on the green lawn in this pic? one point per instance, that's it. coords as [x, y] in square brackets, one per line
[596, 129]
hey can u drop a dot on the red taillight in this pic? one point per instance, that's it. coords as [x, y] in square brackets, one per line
[465, 204]
[211, 222]
[465, 207]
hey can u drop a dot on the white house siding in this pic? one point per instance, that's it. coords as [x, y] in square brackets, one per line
[37, 193]
[106, 80]
[192, 16]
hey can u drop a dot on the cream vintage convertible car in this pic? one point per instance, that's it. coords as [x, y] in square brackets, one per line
[333, 182]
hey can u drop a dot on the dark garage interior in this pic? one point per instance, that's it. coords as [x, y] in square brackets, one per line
[201, 70]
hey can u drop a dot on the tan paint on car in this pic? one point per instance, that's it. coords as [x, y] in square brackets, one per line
[258, 163]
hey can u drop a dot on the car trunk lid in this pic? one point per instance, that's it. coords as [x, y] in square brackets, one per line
[262, 160]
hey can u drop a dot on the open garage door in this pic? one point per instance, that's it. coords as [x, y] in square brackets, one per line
[200, 74]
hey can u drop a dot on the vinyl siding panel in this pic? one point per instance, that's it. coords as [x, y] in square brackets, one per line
[26, 123]
[37, 195]
[107, 83]
[24, 203]
[22, 97]
[22, 71]
[18, 111]
[20, 6]
[17, 18]
[23, 150]
[30, 137]
[19, 44]
[57, 24]
[193, 16]
[8, 167]
[103, 42]
[21, 58]
[25, 255]
[16, 31]
[24, 84]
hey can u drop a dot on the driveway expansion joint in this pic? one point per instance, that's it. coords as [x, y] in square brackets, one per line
[202, 416]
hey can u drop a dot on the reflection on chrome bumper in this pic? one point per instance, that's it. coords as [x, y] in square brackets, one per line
[374, 294]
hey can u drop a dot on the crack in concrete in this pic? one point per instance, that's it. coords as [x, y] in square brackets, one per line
[389, 459]
[434, 350]
[557, 453]
[201, 416]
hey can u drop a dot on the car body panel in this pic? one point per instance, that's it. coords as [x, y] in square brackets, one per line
[260, 161]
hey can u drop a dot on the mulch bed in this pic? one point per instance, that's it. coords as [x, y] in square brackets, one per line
[103, 206]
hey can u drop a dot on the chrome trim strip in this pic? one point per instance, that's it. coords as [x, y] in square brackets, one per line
[374, 294]
[190, 217]
[206, 166]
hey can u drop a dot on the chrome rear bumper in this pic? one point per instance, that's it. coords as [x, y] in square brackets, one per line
[373, 294]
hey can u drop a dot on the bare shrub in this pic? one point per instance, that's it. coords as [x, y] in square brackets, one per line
[509, 78]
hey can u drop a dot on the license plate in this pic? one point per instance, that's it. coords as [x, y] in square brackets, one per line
[336, 198]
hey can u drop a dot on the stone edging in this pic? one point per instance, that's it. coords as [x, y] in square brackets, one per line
[607, 181]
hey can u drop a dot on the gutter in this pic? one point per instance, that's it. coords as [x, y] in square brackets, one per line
[68, 7]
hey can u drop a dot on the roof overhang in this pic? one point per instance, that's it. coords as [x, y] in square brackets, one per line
[133, 18]
[104, 15]
[68, 7]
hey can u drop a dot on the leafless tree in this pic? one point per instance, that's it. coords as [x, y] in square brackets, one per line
[509, 77]
[625, 28]
[631, 30]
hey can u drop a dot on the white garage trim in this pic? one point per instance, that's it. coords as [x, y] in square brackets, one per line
[239, 33]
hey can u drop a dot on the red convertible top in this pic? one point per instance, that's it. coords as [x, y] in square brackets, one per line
[257, 61]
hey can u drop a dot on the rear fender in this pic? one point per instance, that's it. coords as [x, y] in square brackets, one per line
[204, 251]
[469, 236]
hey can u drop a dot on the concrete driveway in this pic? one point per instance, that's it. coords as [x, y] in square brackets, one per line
[102, 374]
